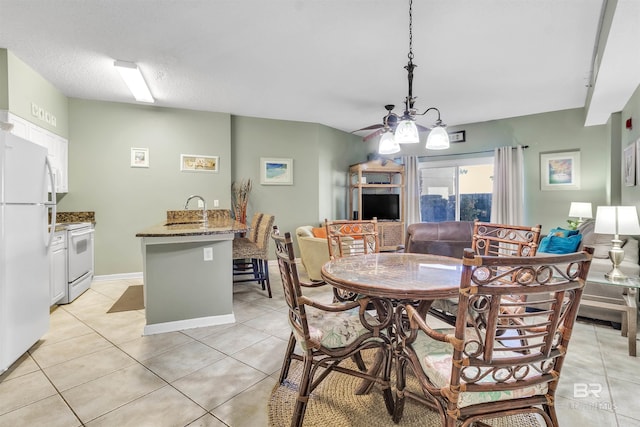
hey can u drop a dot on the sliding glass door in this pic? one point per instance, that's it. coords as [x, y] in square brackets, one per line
[456, 190]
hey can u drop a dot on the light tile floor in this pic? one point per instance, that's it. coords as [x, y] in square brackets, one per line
[96, 369]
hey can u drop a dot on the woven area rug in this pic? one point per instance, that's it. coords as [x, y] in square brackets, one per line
[131, 299]
[333, 403]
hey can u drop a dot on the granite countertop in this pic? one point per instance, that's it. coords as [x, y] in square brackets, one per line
[70, 217]
[63, 219]
[215, 226]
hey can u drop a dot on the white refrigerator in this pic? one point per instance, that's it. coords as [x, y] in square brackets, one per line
[25, 238]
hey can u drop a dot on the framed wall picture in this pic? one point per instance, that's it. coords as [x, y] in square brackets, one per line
[560, 171]
[459, 136]
[198, 163]
[139, 157]
[276, 171]
[629, 165]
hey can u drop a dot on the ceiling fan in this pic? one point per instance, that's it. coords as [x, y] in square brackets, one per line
[389, 123]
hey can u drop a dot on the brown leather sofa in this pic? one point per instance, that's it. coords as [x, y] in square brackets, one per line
[448, 238]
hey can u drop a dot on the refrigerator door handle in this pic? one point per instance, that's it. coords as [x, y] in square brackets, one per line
[52, 203]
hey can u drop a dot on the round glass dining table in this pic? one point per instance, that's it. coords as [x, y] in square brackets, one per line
[401, 276]
[391, 280]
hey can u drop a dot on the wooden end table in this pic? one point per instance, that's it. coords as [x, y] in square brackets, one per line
[629, 308]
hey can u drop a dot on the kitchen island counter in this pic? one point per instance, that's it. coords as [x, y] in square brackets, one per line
[188, 274]
[190, 229]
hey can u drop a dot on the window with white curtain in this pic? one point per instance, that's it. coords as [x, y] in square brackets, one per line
[456, 190]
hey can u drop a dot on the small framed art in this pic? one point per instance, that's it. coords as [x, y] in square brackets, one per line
[198, 163]
[629, 165]
[139, 157]
[276, 171]
[560, 171]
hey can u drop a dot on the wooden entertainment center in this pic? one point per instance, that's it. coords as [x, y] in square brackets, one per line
[379, 177]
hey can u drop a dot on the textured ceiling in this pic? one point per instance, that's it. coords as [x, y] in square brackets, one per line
[335, 62]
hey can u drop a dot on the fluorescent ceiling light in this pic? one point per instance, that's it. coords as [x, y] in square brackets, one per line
[133, 78]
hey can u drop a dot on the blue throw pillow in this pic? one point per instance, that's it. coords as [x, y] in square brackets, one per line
[560, 245]
[562, 232]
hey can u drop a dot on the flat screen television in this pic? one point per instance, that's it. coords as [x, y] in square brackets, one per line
[381, 206]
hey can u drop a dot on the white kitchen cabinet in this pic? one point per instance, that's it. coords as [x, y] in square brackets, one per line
[58, 267]
[62, 156]
[20, 126]
[57, 148]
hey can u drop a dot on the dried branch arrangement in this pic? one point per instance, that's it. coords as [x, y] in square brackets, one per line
[240, 192]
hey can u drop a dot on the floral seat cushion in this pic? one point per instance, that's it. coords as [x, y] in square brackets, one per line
[436, 361]
[333, 329]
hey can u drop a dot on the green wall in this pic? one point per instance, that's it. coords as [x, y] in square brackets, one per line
[127, 200]
[544, 133]
[321, 157]
[27, 88]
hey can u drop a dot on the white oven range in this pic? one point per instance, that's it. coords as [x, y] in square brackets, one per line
[79, 260]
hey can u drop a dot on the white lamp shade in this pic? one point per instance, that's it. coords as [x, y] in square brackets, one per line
[388, 144]
[407, 132]
[617, 220]
[132, 76]
[580, 210]
[438, 139]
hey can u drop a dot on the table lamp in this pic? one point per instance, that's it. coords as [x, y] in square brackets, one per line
[580, 210]
[616, 220]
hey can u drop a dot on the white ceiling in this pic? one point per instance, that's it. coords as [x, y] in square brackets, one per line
[335, 62]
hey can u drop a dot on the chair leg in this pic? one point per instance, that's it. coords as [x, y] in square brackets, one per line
[399, 405]
[255, 265]
[386, 376]
[379, 362]
[550, 411]
[266, 275]
[303, 394]
[286, 363]
[357, 358]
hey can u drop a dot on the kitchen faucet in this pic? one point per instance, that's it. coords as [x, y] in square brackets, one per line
[204, 206]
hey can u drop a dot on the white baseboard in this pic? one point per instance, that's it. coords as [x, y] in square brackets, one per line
[179, 325]
[120, 276]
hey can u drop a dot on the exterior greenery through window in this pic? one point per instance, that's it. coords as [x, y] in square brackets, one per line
[456, 190]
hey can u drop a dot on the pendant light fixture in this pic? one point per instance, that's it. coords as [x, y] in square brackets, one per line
[407, 131]
[388, 144]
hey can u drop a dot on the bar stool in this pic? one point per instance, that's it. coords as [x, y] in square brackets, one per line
[250, 254]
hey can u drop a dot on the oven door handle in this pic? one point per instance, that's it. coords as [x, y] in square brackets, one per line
[80, 234]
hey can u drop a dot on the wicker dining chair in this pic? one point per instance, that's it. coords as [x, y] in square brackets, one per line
[468, 374]
[495, 240]
[348, 238]
[251, 253]
[327, 335]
